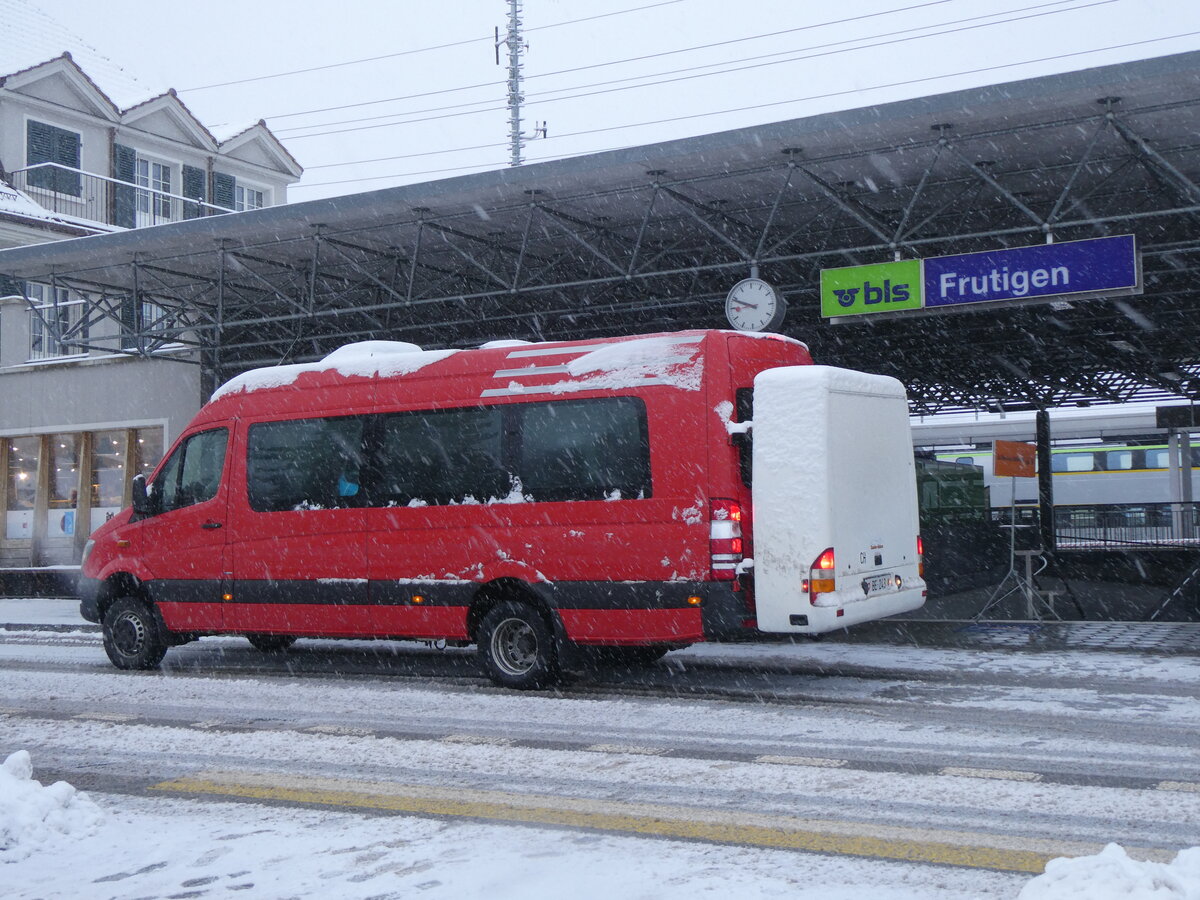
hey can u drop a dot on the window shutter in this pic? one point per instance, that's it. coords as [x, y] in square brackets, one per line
[129, 324]
[124, 198]
[39, 148]
[48, 144]
[10, 287]
[223, 189]
[194, 188]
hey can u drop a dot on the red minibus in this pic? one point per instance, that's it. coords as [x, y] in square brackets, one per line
[527, 498]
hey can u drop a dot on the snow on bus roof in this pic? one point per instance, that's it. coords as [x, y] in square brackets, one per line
[365, 359]
[624, 362]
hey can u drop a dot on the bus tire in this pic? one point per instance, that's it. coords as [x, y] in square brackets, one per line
[134, 636]
[517, 647]
[270, 643]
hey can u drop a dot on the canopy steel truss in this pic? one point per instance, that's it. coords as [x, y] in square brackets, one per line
[652, 238]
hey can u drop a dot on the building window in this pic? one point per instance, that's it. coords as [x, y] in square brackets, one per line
[153, 205]
[247, 198]
[59, 147]
[145, 325]
[108, 470]
[55, 320]
[147, 450]
[23, 455]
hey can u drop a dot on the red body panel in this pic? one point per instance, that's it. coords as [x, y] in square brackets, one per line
[633, 626]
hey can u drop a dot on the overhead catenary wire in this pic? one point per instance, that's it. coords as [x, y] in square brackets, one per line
[617, 62]
[355, 62]
[807, 53]
[751, 108]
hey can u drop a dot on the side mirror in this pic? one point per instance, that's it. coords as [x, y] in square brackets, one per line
[141, 498]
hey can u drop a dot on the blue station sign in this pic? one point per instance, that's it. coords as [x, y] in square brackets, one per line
[1070, 270]
[1097, 265]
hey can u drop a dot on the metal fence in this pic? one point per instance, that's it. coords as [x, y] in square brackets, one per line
[1110, 525]
[98, 198]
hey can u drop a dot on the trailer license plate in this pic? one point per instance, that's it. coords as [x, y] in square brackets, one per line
[876, 583]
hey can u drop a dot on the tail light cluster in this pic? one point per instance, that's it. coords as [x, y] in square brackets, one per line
[820, 578]
[725, 538]
[920, 556]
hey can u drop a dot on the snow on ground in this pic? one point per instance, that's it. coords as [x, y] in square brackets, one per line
[32, 816]
[52, 845]
[157, 848]
[1111, 874]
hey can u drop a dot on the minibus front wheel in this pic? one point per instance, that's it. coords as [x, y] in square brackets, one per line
[517, 647]
[134, 636]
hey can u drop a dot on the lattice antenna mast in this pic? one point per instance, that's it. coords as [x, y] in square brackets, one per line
[516, 45]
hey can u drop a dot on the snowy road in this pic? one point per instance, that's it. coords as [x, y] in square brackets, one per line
[997, 760]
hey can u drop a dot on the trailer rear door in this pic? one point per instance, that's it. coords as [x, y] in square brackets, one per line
[835, 502]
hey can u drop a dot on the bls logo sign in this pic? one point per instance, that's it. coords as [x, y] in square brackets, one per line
[845, 296]
[872, 294]
[869, 289]
[888, 293]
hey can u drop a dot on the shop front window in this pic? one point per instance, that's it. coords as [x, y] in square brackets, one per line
[22, 487]
[108, 474]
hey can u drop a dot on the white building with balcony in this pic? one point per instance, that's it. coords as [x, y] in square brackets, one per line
[78, 417]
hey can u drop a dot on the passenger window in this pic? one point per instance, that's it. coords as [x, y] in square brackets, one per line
[193, 473]
[965, 460]
[1118, 460]
[441, 457]
[304, 464]
[585, 450]
[1073, 462]
[1156, 459]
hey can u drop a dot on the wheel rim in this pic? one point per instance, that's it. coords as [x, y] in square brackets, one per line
[129, 634]
[514, 647]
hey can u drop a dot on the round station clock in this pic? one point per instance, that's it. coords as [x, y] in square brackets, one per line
[754, 305]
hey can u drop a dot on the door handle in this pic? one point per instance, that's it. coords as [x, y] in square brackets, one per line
[211, 525]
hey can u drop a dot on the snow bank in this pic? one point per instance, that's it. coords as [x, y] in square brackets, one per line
[1112, 875]
[32, 815]
[364, 359]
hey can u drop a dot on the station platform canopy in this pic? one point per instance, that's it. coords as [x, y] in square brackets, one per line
[651, 238]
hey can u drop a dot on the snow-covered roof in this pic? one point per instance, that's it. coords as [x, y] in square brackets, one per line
[44, 37]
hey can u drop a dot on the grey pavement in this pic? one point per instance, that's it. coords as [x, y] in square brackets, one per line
[1164, 638]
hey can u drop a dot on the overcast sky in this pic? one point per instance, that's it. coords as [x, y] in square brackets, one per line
[793, 59]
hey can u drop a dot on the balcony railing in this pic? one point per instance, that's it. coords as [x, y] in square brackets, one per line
[98, 198]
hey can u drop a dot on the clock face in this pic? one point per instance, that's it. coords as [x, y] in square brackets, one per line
[753, 305]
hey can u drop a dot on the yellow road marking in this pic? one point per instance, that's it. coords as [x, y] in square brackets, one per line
[997, 774]
[975, 850]
[815, 762]
[625, 748]
[1188, 786]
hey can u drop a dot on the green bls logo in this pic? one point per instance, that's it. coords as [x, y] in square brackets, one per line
[883, 287]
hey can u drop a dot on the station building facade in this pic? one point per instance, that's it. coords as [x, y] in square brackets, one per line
[79, 417]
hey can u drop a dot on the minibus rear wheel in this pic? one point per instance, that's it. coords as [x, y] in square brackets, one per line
[517, 647]
[134, 636]
[270, 643]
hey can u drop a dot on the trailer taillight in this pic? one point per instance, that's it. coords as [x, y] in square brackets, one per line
[920, 556]
[820, 578]
[725, 538]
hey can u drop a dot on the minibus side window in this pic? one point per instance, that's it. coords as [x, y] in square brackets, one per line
[193, 473]
[439, 457]
[584, 450]
[744, 442]
[304, 464]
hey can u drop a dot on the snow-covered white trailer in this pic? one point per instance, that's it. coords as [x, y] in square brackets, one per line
[835, 504]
